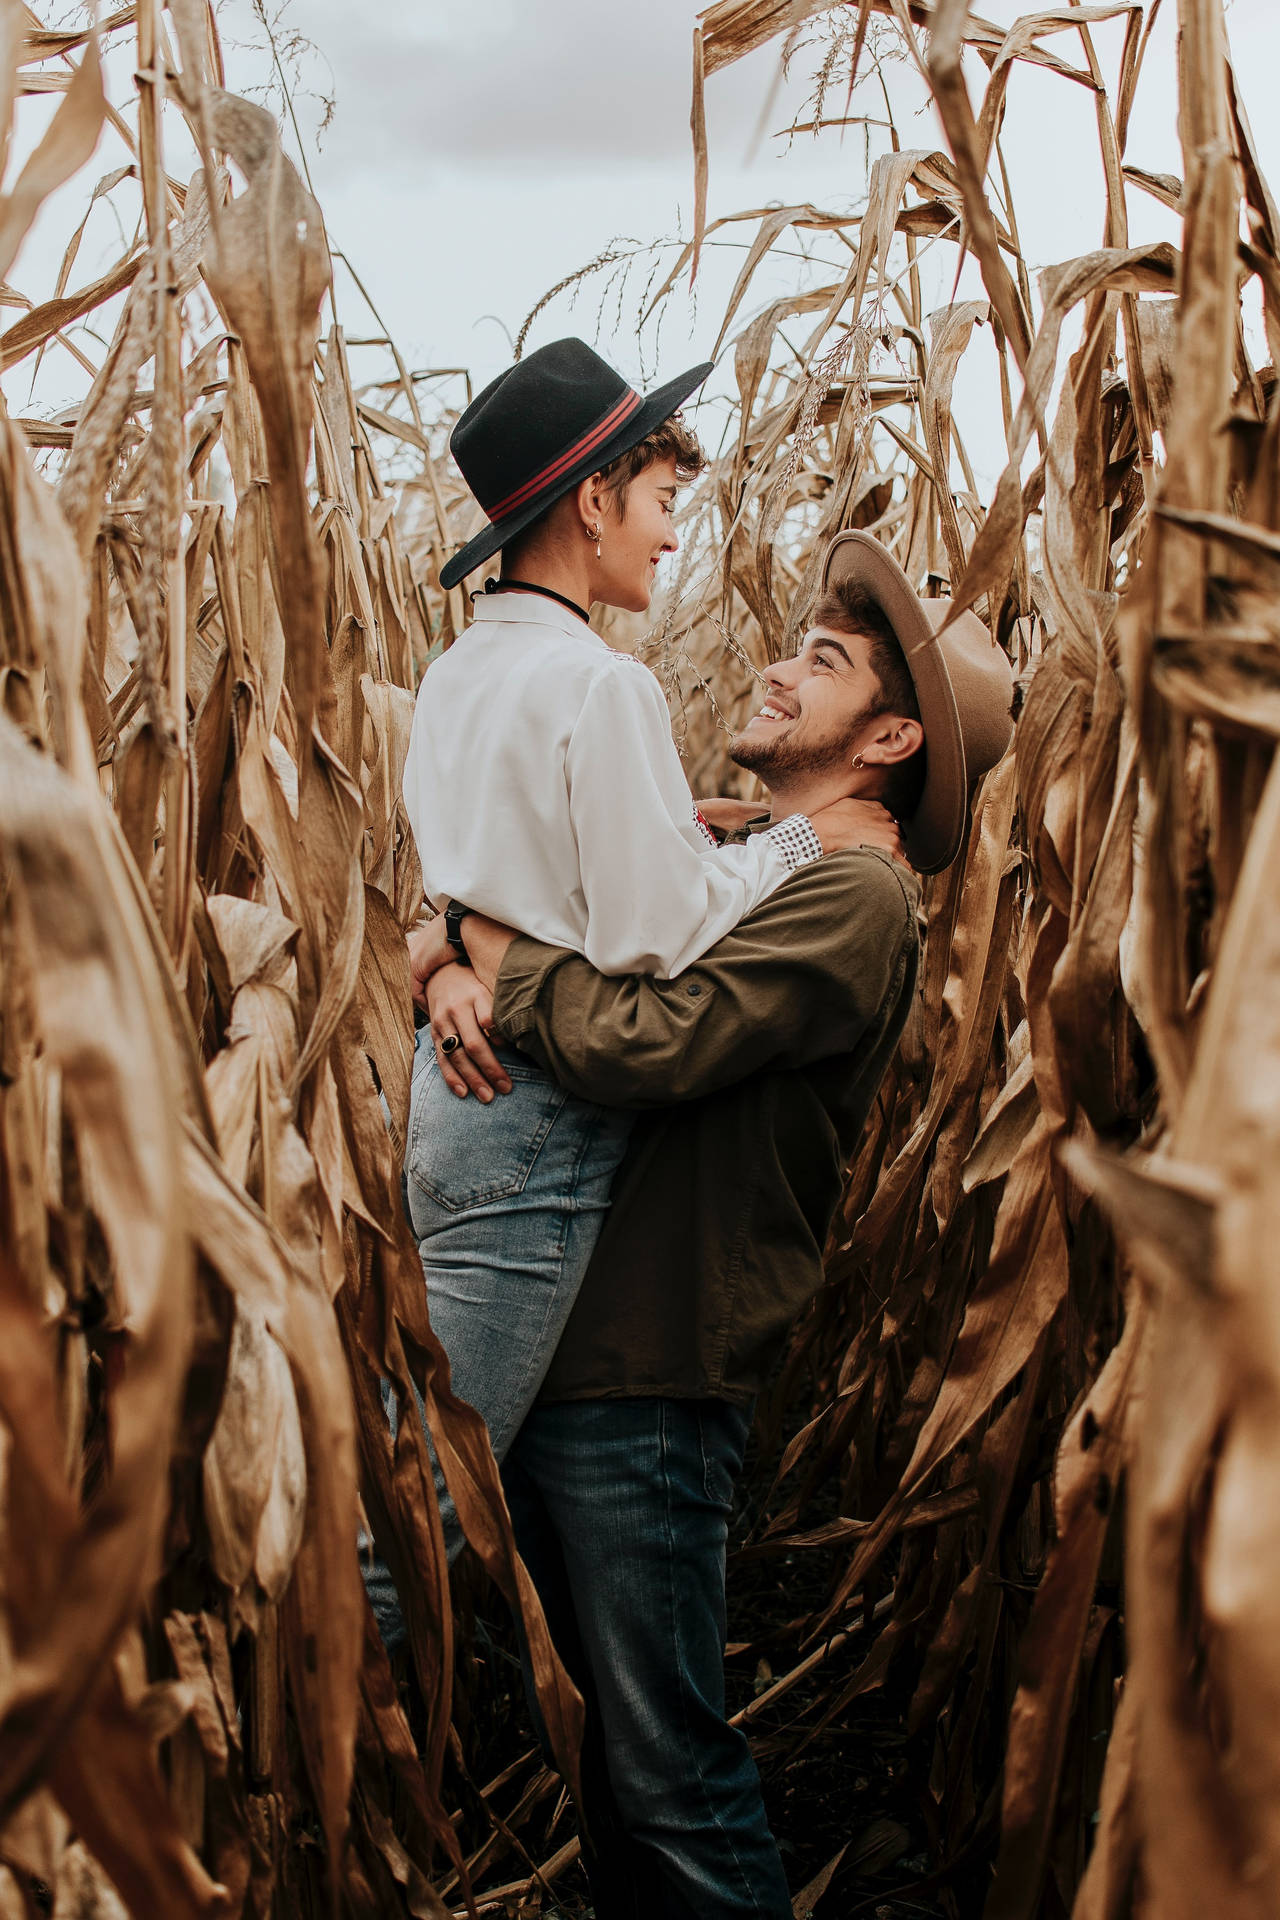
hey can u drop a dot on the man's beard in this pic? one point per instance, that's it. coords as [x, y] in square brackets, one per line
[787, 757]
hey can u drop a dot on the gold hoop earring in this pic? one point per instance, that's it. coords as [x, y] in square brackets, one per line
[857, 762]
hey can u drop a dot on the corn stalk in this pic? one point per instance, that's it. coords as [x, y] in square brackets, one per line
[1021, 1444]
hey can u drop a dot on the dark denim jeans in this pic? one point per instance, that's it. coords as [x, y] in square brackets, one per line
[621, 1512]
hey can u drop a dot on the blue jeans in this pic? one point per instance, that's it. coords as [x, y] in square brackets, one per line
[621, 1511]
[506, 1202]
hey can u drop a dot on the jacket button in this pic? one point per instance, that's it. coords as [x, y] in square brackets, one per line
[694, 991]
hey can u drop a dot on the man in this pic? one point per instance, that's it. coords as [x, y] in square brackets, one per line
[754, 1070]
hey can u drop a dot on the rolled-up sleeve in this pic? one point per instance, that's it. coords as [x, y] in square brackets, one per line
[657, 894]
[801, 978]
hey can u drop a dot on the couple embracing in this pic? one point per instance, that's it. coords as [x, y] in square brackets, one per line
[650, 1056]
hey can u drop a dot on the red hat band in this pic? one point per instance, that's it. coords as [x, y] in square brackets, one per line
[595, 435]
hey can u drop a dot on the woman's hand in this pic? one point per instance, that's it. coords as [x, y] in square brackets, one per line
[461, 1009]
[428, 952]
[858, 823]
[730, 816]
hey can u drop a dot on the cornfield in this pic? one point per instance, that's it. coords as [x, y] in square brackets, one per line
[1010, 1509]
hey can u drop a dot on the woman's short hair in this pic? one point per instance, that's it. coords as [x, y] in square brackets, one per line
[671, 439]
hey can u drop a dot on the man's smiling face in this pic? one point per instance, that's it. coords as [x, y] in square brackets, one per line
[816, 708]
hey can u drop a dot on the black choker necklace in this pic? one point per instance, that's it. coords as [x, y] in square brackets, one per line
[527, 586]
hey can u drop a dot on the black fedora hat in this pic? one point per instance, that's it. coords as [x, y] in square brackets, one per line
[550, 421]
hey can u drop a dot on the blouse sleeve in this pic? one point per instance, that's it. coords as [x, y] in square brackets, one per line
[658, 893]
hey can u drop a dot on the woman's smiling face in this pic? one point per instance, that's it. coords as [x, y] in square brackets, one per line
[635, 532]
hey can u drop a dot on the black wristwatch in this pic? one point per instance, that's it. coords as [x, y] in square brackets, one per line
[454, 915]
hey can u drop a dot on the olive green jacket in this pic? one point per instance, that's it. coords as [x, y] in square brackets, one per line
[754, 1072]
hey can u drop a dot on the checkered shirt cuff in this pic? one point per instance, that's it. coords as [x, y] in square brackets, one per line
[796, 841]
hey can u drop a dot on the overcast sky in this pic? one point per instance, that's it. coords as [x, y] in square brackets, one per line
[481, 150]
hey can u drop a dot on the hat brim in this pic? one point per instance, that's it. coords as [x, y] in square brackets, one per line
[654, 409]
[933, 835]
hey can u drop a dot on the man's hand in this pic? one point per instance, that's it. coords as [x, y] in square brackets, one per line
[729, 816]
[428, 952]
[461, 1009]
[858, 823]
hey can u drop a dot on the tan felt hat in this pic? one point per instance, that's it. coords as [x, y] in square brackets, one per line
[964, 685]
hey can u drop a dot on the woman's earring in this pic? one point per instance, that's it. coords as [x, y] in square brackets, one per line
[857, 762]
[595, 535]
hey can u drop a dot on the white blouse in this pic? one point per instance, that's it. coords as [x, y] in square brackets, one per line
[544, 788]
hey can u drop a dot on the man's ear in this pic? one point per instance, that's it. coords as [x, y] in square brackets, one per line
[896, 738]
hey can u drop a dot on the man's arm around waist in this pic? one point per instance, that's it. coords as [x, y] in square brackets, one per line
[808, 974]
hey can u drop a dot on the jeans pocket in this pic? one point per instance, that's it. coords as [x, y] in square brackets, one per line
[723, 1430]
[463, 1154]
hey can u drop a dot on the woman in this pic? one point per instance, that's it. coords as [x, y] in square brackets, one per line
[544, 789]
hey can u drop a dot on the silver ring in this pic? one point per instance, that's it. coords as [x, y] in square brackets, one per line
[450, 1044]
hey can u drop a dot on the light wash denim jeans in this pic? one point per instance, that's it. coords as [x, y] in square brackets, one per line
[621, 1512]
[506, 1202]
